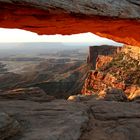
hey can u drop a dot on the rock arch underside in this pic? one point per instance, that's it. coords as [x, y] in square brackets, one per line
[118, 20]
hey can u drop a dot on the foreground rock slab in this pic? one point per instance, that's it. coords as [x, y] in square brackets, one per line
[8, 126]
[113, 120]
[84, 118]
[54, 120]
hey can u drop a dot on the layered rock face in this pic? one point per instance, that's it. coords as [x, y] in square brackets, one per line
[121, 71]
[58, 79]
[134, 52]
[107, 18]
[68, 120]
[96, 51]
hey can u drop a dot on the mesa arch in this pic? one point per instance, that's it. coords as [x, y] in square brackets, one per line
[118, 20]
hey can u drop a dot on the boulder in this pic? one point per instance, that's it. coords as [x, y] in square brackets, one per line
[8, 126]
[78, 98]
[112, 94]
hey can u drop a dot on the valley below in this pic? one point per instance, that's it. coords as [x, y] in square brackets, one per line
[60, 73]
[71, 95]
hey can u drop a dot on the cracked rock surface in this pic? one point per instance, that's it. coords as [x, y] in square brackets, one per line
[73, 120]
[54, 120]
[115, 8]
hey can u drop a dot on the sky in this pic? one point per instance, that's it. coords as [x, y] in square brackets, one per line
[17, 35]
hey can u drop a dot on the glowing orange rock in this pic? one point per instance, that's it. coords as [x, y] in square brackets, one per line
[58, 21]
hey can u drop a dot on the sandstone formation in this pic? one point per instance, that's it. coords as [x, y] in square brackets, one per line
[104, 50]
[133, 52]
[80, 97]
[118, 20]
[66, 120]
[102, 60]
[115, 120]
[8, 126]
[57, 79]
[32, 93]
[54, 120]
[122, 71]
[97, 81]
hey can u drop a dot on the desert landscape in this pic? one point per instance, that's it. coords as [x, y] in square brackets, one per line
[71, 91]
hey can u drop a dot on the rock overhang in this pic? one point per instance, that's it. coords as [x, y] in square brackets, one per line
[117, 20]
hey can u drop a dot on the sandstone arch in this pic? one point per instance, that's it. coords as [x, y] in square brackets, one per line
[118, 20]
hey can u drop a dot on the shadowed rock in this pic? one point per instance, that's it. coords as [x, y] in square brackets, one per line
[54, 120]
[8, 126]
[115, 120]
[32, 93]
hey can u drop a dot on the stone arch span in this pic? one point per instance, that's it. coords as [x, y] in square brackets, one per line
[119, 21]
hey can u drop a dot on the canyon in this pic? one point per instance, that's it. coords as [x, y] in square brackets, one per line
[108, 106]
[120, 70]
[60, 72]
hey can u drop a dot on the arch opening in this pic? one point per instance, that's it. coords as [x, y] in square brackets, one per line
[47, 60]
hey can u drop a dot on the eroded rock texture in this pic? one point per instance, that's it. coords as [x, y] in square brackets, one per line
[107, 18]
[115, 120]
[54, 120]
[121, 71]
[8, 126]
[95, 53]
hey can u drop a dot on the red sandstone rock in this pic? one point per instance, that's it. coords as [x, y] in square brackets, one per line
[71, 17]
[102, 60]
[98, 81]
[104, 50]
[121, 73]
